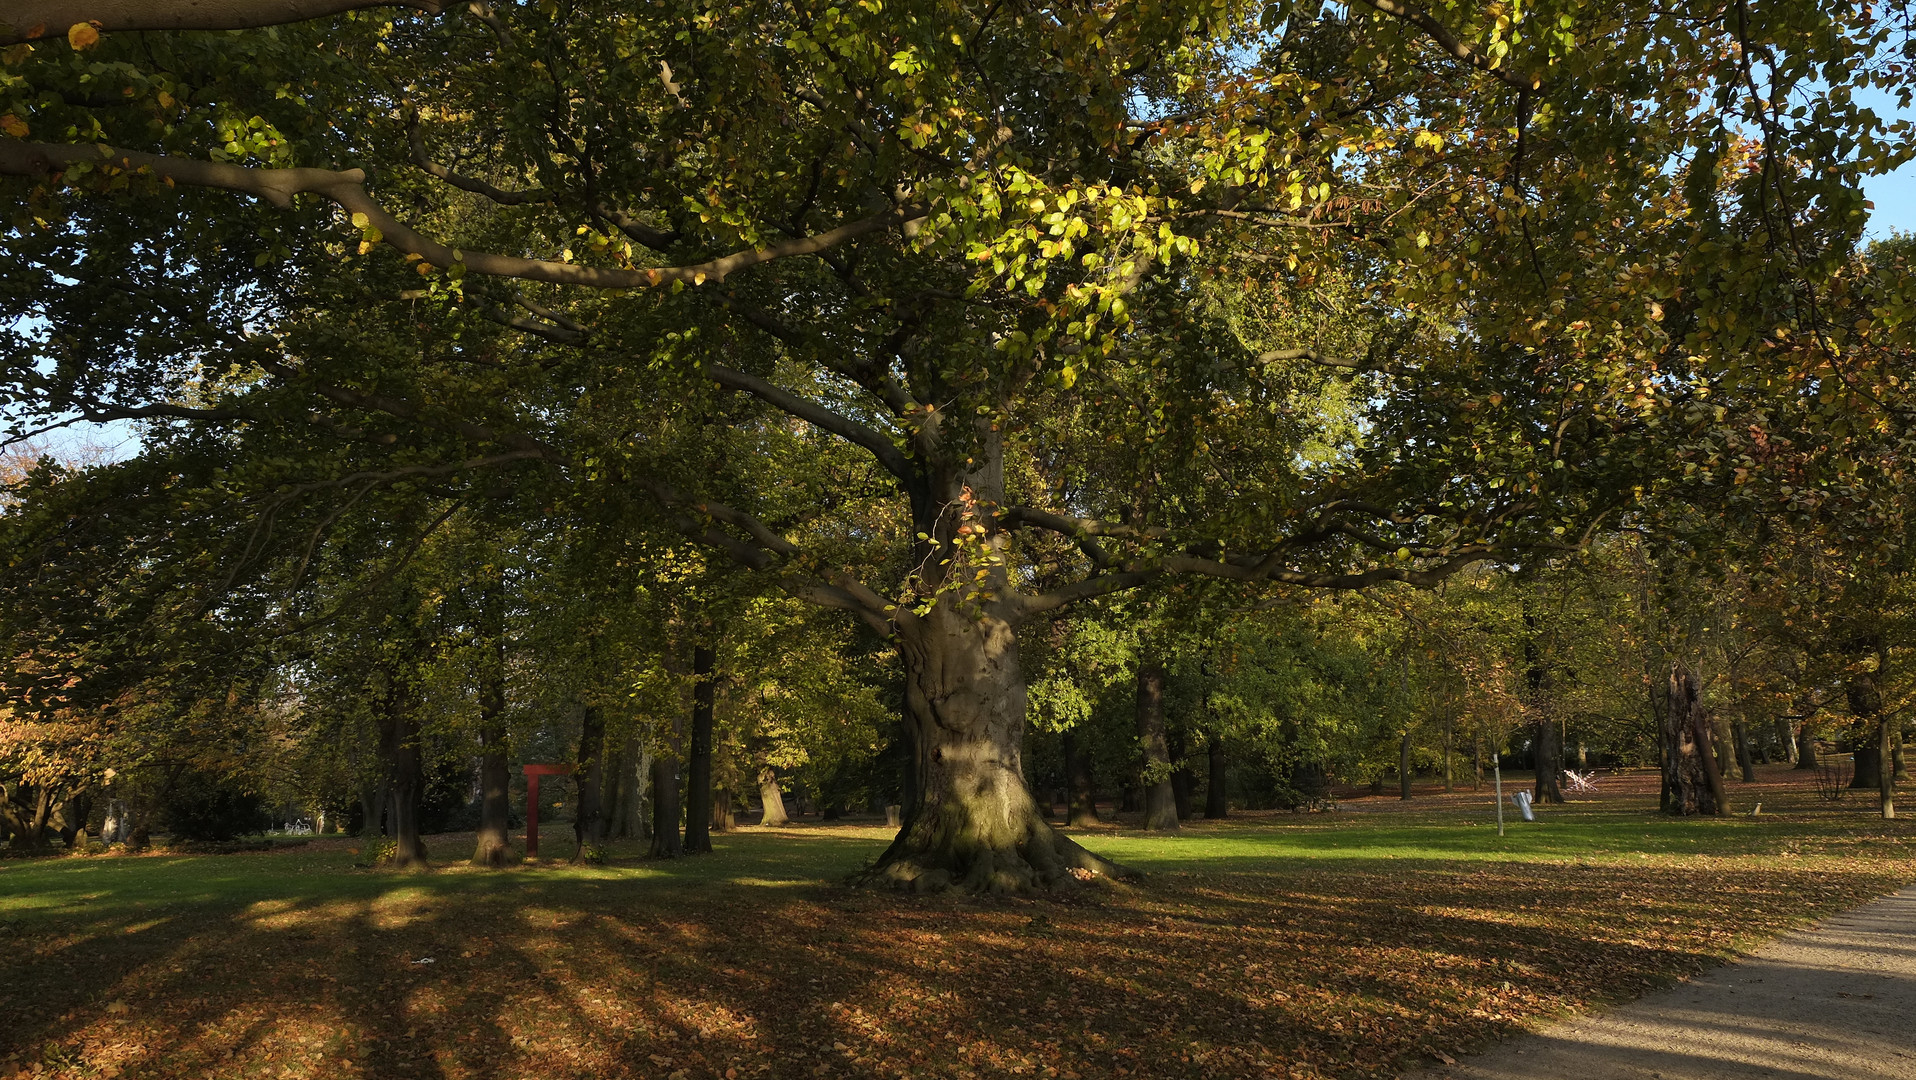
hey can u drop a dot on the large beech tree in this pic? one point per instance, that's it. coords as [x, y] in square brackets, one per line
[993, 248]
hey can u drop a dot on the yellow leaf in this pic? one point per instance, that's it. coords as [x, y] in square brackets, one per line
[116, 1007]
[82, 36]
[360, 221]
[698, 278]
[13, 126]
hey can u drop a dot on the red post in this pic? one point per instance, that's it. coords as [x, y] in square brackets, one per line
[533, 773]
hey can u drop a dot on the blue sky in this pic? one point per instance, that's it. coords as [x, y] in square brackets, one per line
[1895, 194]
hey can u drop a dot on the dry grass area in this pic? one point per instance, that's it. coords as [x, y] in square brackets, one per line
[1336, 945]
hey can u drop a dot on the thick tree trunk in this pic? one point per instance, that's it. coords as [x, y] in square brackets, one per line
[1548, 755]
[588, 818]
[1865, 695]
[405, 780]
[771, 800]
[976, 826]
[1403, 767]
[723, 819]
[1217, 802]
[1805, 747]
[698, 762]
[1183, 785]
[1160, 798]
[493, 846]
[1866, 773]
[1083, 806]
[667, 842]
[1691, 782]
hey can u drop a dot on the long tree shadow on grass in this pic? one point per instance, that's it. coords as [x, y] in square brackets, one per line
[1334, 967]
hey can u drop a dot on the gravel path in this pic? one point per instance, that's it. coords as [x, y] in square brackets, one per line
[1834, 1002]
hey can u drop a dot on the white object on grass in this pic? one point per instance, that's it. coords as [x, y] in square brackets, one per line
[1522, 799]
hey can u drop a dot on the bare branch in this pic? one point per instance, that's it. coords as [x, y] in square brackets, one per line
[30, 20]
[347, 188]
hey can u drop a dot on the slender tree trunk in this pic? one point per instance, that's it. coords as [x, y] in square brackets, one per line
[723, 818]
[493, 846]
[1160, 798]
[618, 778]
[1886, 771]
[1077, 768]
[1217, 802]
[1741, 739]
[770, 798]
[1449, 735]
[976, 826]
[698, 764]
[588, 819]
[1901, 772]
[1403, 767]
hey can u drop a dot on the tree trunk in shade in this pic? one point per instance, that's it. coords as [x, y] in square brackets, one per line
[1077, 768]
[698, 761]
[1160, 800]
[588, 819]
[1217, 795]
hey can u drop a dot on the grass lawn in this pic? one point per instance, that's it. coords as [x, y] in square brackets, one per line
[1351, 944]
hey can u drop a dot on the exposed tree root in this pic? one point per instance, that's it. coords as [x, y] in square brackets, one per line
[1042, 860]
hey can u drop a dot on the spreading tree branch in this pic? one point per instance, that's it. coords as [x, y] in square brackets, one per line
[347, 189]
[30, 20]
[877, 442]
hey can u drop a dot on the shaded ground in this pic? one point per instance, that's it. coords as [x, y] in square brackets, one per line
[1829, 1003]
[1344, 945]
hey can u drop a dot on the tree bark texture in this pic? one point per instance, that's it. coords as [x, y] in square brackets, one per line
[1217, 796]
[1691, 782]
[1160, 798]
[771, 799]
[698, 762]
[588, 818]
[1805, 747]
[976, 826]
[1083, 805]
[1548, 754]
